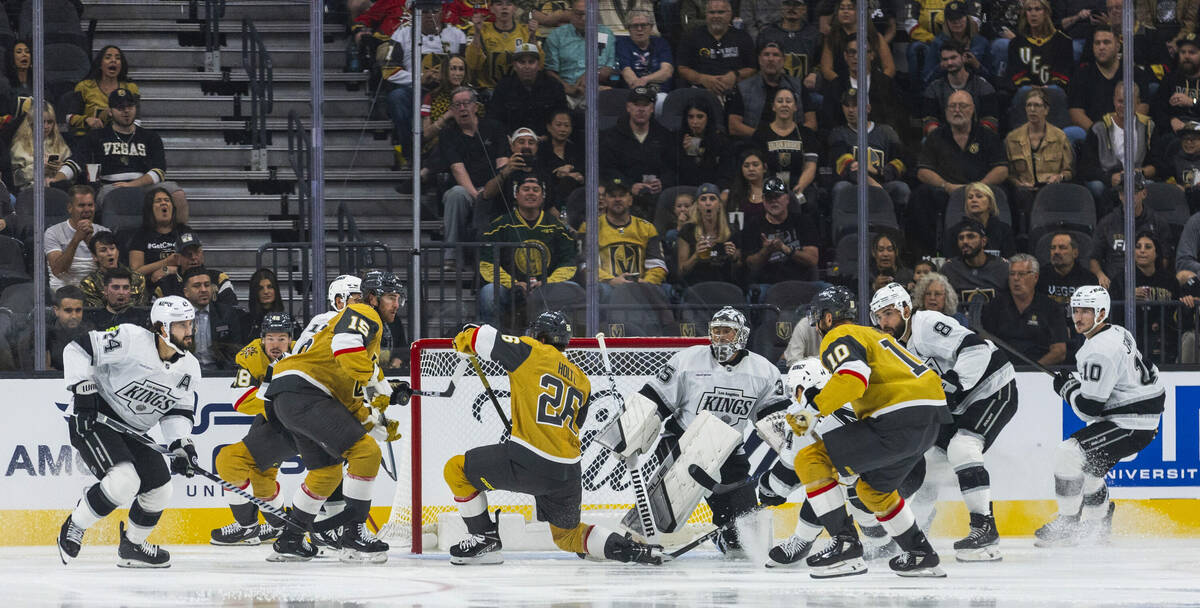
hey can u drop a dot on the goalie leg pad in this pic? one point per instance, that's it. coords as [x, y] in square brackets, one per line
[707, 443]
[634, 430]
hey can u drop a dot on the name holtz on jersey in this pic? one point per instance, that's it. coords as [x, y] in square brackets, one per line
[693, 381]
[140, 387]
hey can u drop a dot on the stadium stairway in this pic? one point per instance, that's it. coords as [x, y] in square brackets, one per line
[197, 114]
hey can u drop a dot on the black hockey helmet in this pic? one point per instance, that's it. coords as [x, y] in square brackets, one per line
[551, 327]
[837, 301]
[276, 322]
[380, 282]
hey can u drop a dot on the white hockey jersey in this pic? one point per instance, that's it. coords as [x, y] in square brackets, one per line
[1116, 382]
[139, 387]
[315, 325]
[693, 381]
[944, 344]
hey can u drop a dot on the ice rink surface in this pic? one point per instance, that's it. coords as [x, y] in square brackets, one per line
[1126, 572]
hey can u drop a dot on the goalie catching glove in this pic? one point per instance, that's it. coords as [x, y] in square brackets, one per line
[381, 428]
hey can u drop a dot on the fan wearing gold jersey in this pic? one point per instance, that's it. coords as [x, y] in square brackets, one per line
[330, 397]
[630, 249]
[550, 398]
[899, 408]
[254, 461]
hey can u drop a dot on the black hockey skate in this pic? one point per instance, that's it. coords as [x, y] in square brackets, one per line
[788, 552]
[267, 532]
[359, 546]
[236, 534]
[328, 543]
[291, 546]
[880, 550]
[143, 555]
[70, 539]
[478, 549]
[627, 550]
[1063, 531]
[982, 544]
[841, 556]
[1097, 531]
[921, 562]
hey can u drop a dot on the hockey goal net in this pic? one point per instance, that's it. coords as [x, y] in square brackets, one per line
[443, 427]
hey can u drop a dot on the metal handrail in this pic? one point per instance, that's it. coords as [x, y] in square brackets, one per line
[348, 230]
[256, 60]
[214, 11]
[300, 158]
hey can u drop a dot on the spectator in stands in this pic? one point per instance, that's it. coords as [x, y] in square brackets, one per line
[975, 273]
[1077, 20]
[562, 156]
[512, 171]
[779, 245]
[746, 192]
[613, 13]
[190, 251]
[751, 103]
[1040, 55]
[1154, 280]
[956, 77]
[925, 19]
[219, 332]
[1183, 165]
[18, 68]
[1025, 318]
[701, 152]
[716, 56]
[979, 204]
[65, 325]
[566, 55]
[108, 257]
[644, 60]
[886, 166]
[791, 147]
[1108, 244]
[1065, 274]
[116, 302]
[152, 248]
[933, 291]
[637, 151]
[842, 30]
[796, 36]
[129, 156]
[952, 156]
[529, 95]
[1038, 154]
[435, 107]
[109, 74]
[882, 93]
[886, 266]
[264, 299]
[67, 255]
[1102, 158]
[1178, 99]
[1000, 21]
[1187, 274]
[548, 14]
[959, 28]
[492, 44]
[805, 342]
[438, 42]
[630, 249]
[707, 246]
[1086, 101]
[682, 211]
[461, 13]
[55, 151]
[469, 150]
[523, 271]
[920, 269]
[375, 23]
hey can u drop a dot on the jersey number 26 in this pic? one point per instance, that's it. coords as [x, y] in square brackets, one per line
[559, 404]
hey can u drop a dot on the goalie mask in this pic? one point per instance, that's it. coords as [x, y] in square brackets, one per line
[892, 295]
[343, 287]
[722, 345]
[172, 309]
[1097, 299]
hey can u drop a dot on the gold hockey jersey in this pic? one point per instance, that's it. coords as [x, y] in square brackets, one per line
[632, 248]
[549, 393]
[494, 60]
[254, 370]
[341, 359]
[874, 374]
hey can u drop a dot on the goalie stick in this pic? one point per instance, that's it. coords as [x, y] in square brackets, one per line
[714, 486]
[641, 497]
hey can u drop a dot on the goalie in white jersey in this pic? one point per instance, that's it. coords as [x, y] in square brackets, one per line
[1119, 397]
[141, 378]
[707, 396]
[981, 391]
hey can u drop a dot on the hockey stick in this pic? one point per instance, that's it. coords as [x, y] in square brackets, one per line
[640, 495]
[490, 393]
[1012, 351]
[142, 438]
[714, 486]
[449, 391]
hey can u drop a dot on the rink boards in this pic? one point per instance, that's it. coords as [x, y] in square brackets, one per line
[43, 476]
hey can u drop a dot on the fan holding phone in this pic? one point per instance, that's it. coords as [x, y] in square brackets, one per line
[55, 148]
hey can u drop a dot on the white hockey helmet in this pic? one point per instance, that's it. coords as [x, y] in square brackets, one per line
[892, 294]
[1096, 298]
[732, 318]
[806, 373]
[344, 286]
[168, 310]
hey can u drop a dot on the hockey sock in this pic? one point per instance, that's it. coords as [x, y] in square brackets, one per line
[863, 517]
[975, 485]
[141, 522]
[901, 524]
[334, 505]
[808, 526]
[94, 507]
[245, 514]
[1069, 493]
[474, 511]
[306, 502]
[1095, 498]
[357, 491]
[357, 510]
[829, 504]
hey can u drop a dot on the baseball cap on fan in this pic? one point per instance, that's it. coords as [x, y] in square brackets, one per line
[186, 240]
[122, 98]
[956, 10]
[526, 48]
[637, 94]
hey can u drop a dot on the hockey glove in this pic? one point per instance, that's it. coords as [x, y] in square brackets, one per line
[1065, 383]
[801, 420]
[184, 460]
[952, 388]
[382, 429]
[462, 342]
[766, 495]
[378, 392]
[87, 407]
[810, 396]
[401, 392]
